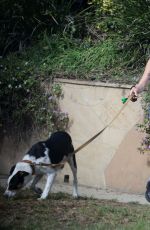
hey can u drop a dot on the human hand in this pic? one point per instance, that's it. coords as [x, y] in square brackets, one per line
[133, 93]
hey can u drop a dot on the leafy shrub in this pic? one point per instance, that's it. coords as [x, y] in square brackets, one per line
[108, 41]
[128, 20]
[28, 101]
[21, 21]
[62, 56]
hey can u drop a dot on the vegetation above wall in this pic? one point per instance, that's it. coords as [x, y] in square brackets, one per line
[97, 40]
[29, 101]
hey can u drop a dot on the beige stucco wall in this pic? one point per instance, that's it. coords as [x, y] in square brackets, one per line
[112, 160]
[13, 150]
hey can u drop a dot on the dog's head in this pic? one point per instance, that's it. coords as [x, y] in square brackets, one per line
[20, 175]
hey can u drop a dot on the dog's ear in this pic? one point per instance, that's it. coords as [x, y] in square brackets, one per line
[23, 173]
[12, 169]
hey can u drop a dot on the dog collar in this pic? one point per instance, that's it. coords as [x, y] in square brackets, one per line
[31, 164]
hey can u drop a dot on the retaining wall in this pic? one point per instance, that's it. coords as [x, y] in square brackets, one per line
[112, 160]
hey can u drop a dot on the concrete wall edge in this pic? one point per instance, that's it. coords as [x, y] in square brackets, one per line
[92, 83]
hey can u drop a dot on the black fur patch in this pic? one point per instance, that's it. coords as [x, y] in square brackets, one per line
[17, 180]
[12, 169]
[37, 150]
[60, 145]
[147, 193]
[74, 161]
[148, 185]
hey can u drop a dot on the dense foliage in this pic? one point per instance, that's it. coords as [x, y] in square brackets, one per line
[21, 21]
[98, 39]
[29, 101]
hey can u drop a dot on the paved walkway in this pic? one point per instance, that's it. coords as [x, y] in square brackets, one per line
[94, 193]
[102, 194]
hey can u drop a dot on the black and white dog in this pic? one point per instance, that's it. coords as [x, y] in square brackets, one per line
[56, 149]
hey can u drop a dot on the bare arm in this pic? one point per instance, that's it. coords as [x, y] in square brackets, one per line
[143, 81]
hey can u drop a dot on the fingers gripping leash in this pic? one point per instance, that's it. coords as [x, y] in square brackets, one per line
[132, 96]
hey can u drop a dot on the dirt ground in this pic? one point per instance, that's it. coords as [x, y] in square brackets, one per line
[61, 211]
[93, 193]
[102, 194]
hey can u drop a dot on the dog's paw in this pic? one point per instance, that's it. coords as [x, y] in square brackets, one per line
[40, 199]
[38, 190]
[75, 196]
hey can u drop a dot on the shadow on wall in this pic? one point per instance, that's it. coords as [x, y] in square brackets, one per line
[12, 150]
[133, 171]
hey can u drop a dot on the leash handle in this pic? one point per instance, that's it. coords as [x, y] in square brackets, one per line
[123, 107]
[133, 96]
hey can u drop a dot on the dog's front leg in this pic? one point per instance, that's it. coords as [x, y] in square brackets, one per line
[34, 182]
[49, 182]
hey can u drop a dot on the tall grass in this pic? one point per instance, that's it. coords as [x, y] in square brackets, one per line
[84, 59]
